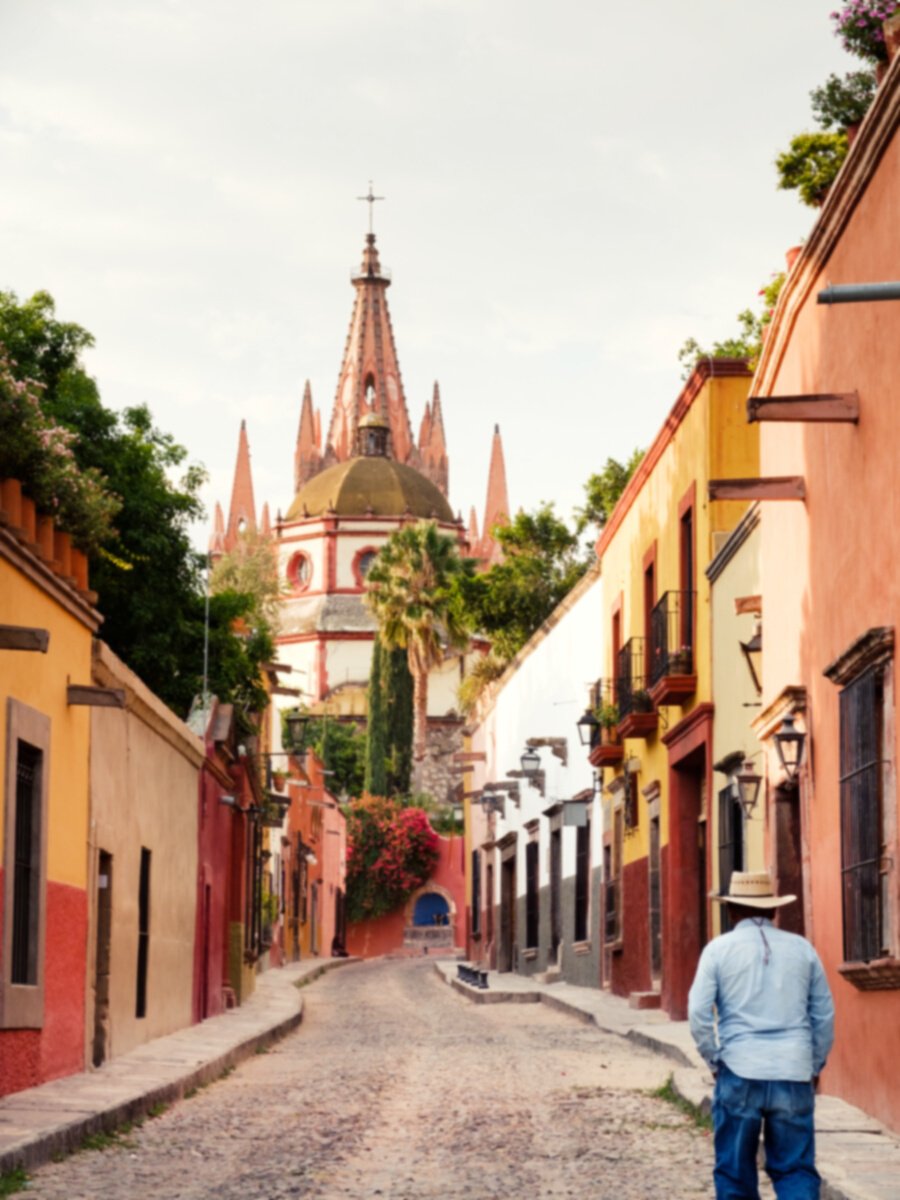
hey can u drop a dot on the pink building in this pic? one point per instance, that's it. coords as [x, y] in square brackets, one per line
[831, 603]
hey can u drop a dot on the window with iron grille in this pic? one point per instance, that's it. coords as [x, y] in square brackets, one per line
[26, 876]
[582, 880]
[532, 895]
[863, 881]
[23, 866]
[476, 891]
[143, 955]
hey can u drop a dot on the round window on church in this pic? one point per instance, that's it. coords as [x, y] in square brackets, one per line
[362, 563]
[299, 572]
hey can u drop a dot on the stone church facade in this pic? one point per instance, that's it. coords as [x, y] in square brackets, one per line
[369, 478]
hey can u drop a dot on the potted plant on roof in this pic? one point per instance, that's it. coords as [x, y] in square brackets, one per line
[869, 28]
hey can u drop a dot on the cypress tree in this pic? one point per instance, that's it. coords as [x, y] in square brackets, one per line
[376, 783]
[398, 710]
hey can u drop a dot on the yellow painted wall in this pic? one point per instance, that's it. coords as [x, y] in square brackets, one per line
[712, 440]
[40, 680]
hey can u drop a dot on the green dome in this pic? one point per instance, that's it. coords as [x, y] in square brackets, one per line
[373, 486]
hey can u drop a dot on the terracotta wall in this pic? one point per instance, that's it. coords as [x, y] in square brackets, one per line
[384, 935]
[145, 768]
[829, 566]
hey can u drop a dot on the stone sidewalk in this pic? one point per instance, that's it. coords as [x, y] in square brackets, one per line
[857, 1157]
[41, 1122]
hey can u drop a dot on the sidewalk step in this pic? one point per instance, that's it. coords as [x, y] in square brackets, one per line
[644, 1000]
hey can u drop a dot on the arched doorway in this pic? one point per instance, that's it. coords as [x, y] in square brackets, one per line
[431, 909]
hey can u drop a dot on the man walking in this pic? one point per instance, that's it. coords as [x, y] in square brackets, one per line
[761, 1013]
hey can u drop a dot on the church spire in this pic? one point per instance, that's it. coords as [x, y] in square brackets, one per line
[496, 508]
[217, 540]
[433, 443]
[307, 456]
[242, 511]
[369, 379]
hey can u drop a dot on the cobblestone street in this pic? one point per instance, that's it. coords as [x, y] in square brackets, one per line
[396, 1086]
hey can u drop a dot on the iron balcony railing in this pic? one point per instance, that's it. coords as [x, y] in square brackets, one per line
[603, 705]
[672, 636]
[631, 679]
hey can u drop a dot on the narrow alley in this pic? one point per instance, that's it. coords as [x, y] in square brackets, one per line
[396, 1086]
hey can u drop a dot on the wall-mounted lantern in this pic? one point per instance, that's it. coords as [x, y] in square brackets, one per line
[296, 722]
[789, 743]
[530, 760]
[587, 725]
[747, 783]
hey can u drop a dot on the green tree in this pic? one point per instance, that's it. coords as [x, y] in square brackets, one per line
[842, 102]
[747, 343]
[251, 568]
[148, 577]
[540, 565]
[376, 728]
[602, 490]
[410, 590]
[811, 164]
[341, 745]
[398, 704]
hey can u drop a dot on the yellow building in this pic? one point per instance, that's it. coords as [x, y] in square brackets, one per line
[654, 699]
[46, 625]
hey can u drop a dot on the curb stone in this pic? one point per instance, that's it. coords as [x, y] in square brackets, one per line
[121, 1098]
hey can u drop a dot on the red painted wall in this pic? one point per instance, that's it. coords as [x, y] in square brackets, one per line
[32, 1056]
[211, 938]
[631, 965]
[384, 935]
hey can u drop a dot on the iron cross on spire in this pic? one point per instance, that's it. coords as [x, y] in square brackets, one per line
[370, 200]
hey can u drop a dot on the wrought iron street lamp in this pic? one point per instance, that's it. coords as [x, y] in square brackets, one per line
[295, 723]
[587, 725]
[789, 743]
[530, 760]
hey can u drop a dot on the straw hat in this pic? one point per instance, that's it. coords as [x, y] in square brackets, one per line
[753, 889]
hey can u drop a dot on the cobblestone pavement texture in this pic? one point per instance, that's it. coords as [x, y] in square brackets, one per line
[396, 1086]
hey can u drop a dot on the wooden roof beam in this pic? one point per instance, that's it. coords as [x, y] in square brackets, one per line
[95, 697]
[775, 487]
[24, 637]
[826, 407]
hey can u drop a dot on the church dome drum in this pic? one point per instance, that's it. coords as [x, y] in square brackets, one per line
[371, 486]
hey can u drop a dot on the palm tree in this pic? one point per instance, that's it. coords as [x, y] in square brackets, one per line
[410, 590]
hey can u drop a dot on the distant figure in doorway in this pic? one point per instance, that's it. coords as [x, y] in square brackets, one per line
[762, 1016]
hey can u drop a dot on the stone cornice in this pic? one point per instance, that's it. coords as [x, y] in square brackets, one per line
[733, 543]
[705, 370]
[790, 700]
[33, 568]
[876, 132]
[873, 648]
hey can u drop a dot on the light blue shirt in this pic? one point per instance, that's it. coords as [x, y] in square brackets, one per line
[761, 1004]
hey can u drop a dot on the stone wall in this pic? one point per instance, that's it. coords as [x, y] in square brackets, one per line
[434, 774]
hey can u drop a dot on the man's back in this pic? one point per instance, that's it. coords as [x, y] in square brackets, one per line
[774, 1010]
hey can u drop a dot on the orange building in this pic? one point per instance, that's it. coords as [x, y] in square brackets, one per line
[47, 620]
[826, 398]
[313, 865]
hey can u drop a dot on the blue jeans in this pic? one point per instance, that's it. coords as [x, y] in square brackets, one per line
[783, 1110]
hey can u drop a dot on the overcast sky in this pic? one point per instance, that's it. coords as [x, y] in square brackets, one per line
[572, 189]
